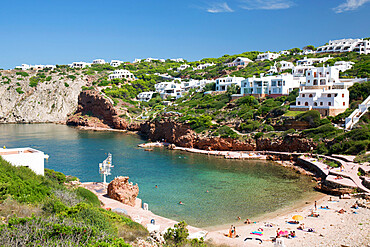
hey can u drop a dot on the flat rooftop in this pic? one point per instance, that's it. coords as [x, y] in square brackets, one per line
[11, 151]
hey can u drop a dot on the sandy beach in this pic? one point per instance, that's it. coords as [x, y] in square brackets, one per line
[330, 228]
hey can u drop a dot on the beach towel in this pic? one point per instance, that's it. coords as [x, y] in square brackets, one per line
[257, 233]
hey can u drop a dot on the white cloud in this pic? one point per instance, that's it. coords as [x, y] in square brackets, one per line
[349, 5]
[266, 4]
[219, 8]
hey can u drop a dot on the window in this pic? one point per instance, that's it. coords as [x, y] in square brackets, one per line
[314, 82]
[329, 103]
[344, 103]
[306, 104]
[308, 81]
[329, 95]
[315, 104]
[308, 74]
[299, 103]
[302, 95]
[342, 95]
[310, 96]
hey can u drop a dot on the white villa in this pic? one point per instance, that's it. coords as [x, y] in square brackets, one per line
[311, 61]
[137, 60]
[344, 65]
[99, 61]
[122, 74]
[284, 52]
[182, 67]
[169, 89]
[239, 61]
[272, 86]
[346, 45]
[284, 65]
[150, 59]
[187, 85]
[224, 82]
[145, 96]
[28, 157]
[79, 65]
[115, 63]
[178, 60]
[267, 56]
[204, 65]
[35, 67]
[323, 91]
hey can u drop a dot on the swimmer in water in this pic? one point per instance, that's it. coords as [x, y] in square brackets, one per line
[181, 203]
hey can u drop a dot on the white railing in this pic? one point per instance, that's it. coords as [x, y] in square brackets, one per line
[352, 119]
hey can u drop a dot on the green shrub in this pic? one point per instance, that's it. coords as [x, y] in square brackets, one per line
[88, 196]
[22, 184]
[66, 84]
[226, 131]
[34, 81]
[312, 117]
[48, 78]
[72, 77]
[19, 90]
[58, 177]
[22, 73]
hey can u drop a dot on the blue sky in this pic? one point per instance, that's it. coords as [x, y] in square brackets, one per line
[60, 32]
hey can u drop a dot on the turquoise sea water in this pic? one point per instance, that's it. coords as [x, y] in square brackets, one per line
[236, 188]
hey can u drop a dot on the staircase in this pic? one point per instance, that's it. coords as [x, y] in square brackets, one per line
[357, 114]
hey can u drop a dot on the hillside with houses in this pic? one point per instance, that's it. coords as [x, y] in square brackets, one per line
[318, 92]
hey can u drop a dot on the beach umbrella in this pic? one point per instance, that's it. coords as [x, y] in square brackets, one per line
[297, 217]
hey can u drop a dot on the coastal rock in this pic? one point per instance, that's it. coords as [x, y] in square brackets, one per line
[94, 104]
[183, 136]
[51, 100]
[122, 190]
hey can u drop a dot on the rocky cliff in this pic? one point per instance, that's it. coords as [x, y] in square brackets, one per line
[94, 106]
[96, 110]
[181, 135]
[51, 98]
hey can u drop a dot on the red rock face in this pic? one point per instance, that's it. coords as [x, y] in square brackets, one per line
[122, 190]
[92, 104]
[94, 110]
[181, 135]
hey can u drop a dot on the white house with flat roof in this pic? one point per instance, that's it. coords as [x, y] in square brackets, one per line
[239, 61]
[346, 45]
[311, 61]
[99, 61]
[224, 82]
[115, 63]
[28, 157]
[193, 84]
[344, 65]
[178, 60]
[79, 65]
[145, 96]
[281, 66]
[323, 91]
[23, 67]
[204, 65]
[267, 56]
[328, 102]
[169, 89]
[272, 86]
[121, 74]
[183, 67]
[284, 52]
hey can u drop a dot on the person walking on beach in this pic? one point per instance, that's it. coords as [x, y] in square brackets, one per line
[315, 206]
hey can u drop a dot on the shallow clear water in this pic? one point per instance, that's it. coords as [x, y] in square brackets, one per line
[236, 188]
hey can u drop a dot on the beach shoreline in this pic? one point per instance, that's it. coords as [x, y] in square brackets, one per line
[353, 226]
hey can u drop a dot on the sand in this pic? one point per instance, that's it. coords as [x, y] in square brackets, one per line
[331, 228]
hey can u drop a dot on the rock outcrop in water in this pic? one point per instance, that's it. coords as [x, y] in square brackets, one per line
[51, 100]
[122, 190]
